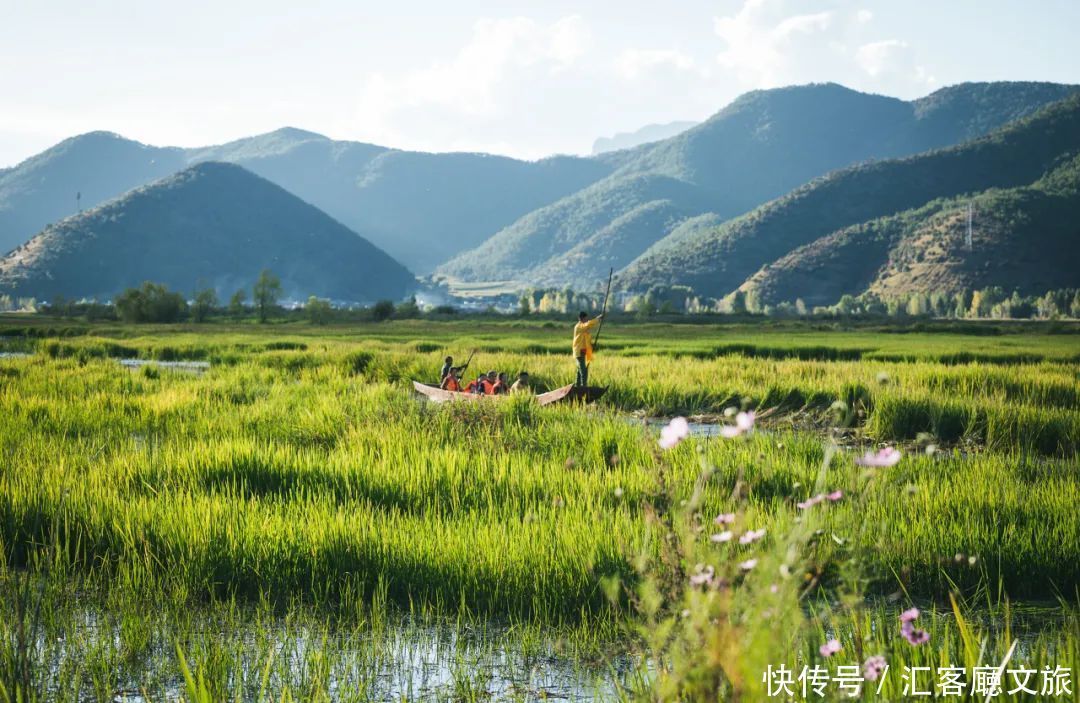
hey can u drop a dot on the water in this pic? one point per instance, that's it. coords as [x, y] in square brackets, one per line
[196, 367]
[14, 355]
[702, 429]
[402, 660]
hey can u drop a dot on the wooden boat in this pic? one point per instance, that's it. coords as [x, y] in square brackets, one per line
[565, 394]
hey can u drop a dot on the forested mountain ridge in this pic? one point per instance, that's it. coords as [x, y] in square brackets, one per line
[716, 260]
[762, 145]
[213, 225]
[422, 208]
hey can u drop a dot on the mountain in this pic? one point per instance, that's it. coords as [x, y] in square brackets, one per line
[99, 165]
[421, 208]
[1025, 239]
[883, 223]
[644, 135]
[212, 224]
[761, 146]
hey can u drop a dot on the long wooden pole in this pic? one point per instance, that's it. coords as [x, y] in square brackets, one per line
[603, 309]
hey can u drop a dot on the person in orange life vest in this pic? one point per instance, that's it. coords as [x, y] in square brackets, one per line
[447, 365]
[502, 387]
[487, 383]
[451, 382]
[583, 349]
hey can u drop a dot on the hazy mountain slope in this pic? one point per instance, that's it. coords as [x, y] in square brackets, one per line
[612, 246]
[644, 135]
[1025, 239]
[716, 261]
[100, 165]
[762, 145]
[422, 207]
[213, 224]
[554, 230]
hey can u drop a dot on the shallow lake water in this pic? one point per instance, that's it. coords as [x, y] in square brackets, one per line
[189, 366]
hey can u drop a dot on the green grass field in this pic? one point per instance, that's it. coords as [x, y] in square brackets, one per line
[299, 474]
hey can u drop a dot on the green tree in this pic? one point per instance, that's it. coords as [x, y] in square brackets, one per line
[205, 302]
[236, 303]
[266, 293]
[525, 304]
[408, 310]
[738, 303]
[318, 310]
[151, 302]
[382, 310]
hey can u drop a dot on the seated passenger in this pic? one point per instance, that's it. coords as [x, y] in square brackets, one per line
[451, 382]
[521, 385]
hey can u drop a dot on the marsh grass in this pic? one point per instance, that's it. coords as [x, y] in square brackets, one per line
[299, 476]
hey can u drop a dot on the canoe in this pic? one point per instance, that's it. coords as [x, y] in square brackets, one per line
[564, 394]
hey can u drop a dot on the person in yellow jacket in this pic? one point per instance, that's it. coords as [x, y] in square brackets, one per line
[583, 350]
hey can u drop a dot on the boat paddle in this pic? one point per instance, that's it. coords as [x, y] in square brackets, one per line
[603, 310]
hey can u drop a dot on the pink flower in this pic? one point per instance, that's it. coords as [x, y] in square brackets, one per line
[674, 432]
[873, 668]
[914, 636]
[744, 422]
[773, 588]
[810, 502]
[909, 615]
[887, 456]
[830, 648]
[748, 564]
[724, 536]
[835, 496]
[751, 536]
[724, 518]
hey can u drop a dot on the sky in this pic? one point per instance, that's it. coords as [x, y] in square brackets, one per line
[526, 79]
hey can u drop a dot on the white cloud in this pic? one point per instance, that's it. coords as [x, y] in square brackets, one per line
[467, 83]
[864, 16]
[632, 63]
[892, 60]
[761, 40]
[876, 57]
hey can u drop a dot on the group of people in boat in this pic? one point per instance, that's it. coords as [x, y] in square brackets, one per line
[496, 383]
[490, 383]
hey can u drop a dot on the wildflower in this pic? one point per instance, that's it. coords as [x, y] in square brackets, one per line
[751, 536]
[724, 518]
[618, 492]
[703, 576]
[909, 615]
[886, 456]
[744, 422]
[724, 536]
[810, 502]
[830, 648]
[730, 412]
[748, 564]
[914, 635]
[773, 588]
[972, 560]
[835, 496]
[873, 668]
[674, 432]
[882, 377]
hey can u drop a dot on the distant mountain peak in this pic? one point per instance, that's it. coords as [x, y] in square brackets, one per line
[212, 224]
[643, 135]
[295, 133]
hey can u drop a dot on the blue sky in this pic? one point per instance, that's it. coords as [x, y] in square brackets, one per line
[526, 79]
